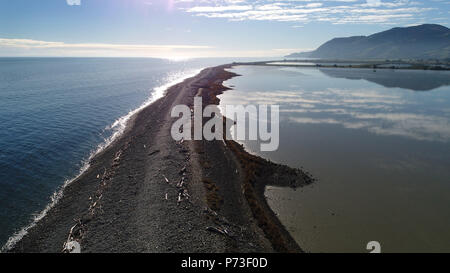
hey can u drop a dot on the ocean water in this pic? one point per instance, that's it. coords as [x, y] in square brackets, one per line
[379, 144]
[56, 112]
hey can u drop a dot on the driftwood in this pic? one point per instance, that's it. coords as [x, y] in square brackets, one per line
[179, 198]
[186, 194]
[154, 152]
[165, 178]
[210, 211]
[71, 245]
[220, 230]
[181, 183]
[117, 156]
[216, 230]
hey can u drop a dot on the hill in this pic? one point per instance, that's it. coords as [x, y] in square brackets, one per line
[418, 42]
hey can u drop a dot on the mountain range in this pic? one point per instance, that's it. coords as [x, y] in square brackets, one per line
[428, 41]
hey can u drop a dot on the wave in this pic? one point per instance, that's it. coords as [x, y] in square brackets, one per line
[117, 128]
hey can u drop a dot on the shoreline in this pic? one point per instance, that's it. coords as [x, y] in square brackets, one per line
[130, 198]
[354, 64]
[118, 127]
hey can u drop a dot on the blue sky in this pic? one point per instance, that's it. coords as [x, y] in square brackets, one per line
[198, 28]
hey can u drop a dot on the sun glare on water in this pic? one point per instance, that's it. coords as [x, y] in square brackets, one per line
[178, 58]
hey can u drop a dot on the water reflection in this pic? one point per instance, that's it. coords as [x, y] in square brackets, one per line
[407, 79]
[381, 155]
[391, 112]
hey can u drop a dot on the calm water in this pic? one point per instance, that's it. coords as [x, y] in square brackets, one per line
[55, 112]
[379, 143]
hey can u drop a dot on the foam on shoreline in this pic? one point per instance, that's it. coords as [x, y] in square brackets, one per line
[117, 128]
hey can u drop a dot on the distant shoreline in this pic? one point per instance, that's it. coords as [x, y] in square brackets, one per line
[130, 198]
[368, 64]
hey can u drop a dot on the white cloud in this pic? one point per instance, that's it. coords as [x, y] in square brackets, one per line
[374, 3]
[27, 43]
[304, 11]
[218, 8]
[28, 47]
[38, 48]
[73, 2]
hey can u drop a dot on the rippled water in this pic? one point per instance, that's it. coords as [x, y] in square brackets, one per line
[54, 112]
[379, 143]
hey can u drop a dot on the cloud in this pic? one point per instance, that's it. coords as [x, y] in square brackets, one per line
[304, 11]
[73, 2]
[374, 3]
[28, 47]
[27, 43]
[218, 8]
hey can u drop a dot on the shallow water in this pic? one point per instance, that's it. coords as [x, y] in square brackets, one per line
[54, 112]
[379, 143]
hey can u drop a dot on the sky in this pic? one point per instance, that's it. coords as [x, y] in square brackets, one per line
[198, 28]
